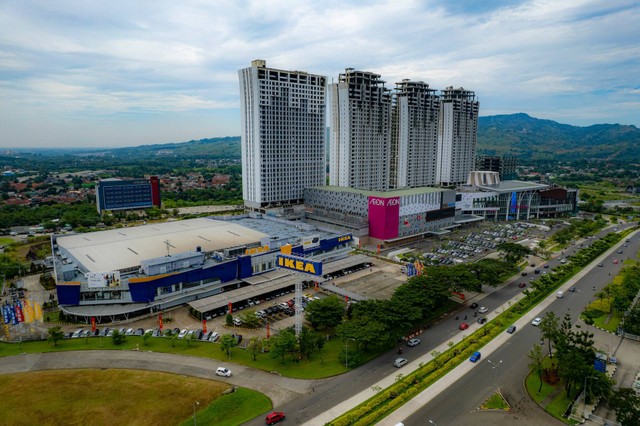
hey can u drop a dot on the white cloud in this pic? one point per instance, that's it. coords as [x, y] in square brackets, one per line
[539, 56]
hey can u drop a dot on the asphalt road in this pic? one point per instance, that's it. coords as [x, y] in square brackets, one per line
[458, 405]
[330, 392]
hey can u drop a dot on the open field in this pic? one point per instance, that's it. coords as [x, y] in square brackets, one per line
[116, 397]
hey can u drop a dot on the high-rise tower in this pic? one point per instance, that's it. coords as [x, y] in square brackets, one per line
[457, 135]
[282, 118]
[414, 135]
[359, 147]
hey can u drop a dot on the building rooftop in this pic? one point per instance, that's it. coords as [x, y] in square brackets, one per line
[383, 194]
[514, 185]
[124, 248]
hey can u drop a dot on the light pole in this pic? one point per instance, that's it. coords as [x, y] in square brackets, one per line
[495, 370]
[346, 357]
[195, 404]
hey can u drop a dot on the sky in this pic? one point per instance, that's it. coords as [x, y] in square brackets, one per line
[126, 73]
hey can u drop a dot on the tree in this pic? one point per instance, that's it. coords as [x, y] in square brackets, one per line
[421, 292]
[549, 327]
[118, 338]
[325, 313]
[228, 320]
[250, 319]
[146, 337]
[227, 341]
[55, 335]
[536, 357]
[626, 403]
[254, 347]
[489, 271]
[513, 252]
[282, 343]
[364, 330]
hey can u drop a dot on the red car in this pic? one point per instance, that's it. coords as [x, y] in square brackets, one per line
[615, 261]
[463, 326]
[522, 285]
[274, 417]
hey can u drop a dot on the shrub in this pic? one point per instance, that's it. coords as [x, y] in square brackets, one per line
[593, 313]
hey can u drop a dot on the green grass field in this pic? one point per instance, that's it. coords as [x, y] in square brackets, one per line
[319, 366]
[4, 241]
[122, 397]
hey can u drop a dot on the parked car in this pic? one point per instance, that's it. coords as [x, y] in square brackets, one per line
[205, 336]
[475, 357]
[413, 342]
[483, 310]
[274, 417]
[224, 372]
[536, 321]
[511, 329]
[214, 336]
[105, 331]
[139, 332]
[237, 321]
[78, 333]
[400, 362]
[463, 326]
[182, 333]
[129, 332]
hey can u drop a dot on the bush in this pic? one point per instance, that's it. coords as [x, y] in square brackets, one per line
[593, 313]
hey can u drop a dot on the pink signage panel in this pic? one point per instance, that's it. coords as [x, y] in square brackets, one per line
[384, 217]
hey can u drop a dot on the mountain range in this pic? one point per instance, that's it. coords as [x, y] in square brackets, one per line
[529, 138]
[533, 139]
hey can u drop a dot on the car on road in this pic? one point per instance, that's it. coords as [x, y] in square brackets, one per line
[536, 321]
[524, 273]
[615, 261]
[224, 372]
[572, 289]
[522, 285]
[483, 309]
[463, 326]
[546, 266]
[619, 251]
[473, 305]
[274, 417]
[560, 295]
[475, 357]
[601, 264]
[399, 362]
[537, 271]
[511, 329]
[413, 342]
[482, 320]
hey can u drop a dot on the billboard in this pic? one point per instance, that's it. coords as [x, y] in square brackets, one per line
[103, 279]
[299, 264]
[384, 217]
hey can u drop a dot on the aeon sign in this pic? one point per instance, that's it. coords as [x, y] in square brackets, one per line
[384, 217]
[384, 202]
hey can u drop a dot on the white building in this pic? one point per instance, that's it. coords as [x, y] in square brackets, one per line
[359, 147]
[283, 134]
[457, 135]
[414, 135]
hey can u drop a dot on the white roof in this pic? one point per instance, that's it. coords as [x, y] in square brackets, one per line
[122, 248]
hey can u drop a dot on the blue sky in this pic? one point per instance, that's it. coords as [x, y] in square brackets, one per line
[124, 73]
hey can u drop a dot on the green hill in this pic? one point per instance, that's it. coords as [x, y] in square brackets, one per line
[534, 139]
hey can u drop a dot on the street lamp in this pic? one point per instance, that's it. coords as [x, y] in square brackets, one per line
[346, 357]
[495, 370]
[195, 404]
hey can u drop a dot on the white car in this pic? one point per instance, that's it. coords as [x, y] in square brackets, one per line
[536, 321]
[413, 342]
[224, 372]
[182, 333]
[483, 309]
[237, 321]
[214, 336]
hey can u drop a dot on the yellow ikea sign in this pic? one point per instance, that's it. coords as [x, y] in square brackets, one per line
[300, 265]
[344, 238]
